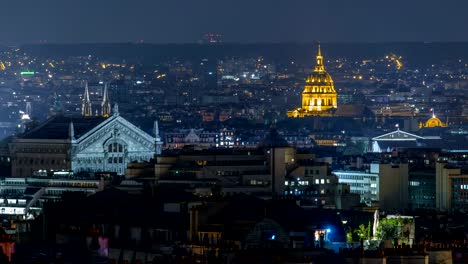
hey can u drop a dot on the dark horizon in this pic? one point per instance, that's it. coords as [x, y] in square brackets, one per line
[310, 42]
[182, 21]
[414, 53]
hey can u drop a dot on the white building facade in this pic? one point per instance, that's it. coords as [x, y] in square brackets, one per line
[364, 183]
[111, 145]
[83, 144]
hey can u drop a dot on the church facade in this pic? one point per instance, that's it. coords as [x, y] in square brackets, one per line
[319, 94]
[85, 143]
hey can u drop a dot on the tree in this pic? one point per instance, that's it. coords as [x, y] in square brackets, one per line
[394, 228]
[362, 232]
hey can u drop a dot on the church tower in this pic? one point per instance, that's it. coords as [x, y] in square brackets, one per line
[86, 109]
[105, 104]
[319, 94]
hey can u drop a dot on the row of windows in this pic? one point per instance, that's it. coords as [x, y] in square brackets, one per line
[422, 197]
[321, 89]
[95, 161]
[321, 181]
[12, 192]
[182, 140]
[15, 182]
[12, 201]
[311, 172]
[41, 162]
[353, 184]
[115, 160]
[287, 183]
[258, 182]
[319, 102]
[73, 184]
[115, 147]
[364, 192]
[54, 192]
[42, 150]
[179, 136]
[356, 177]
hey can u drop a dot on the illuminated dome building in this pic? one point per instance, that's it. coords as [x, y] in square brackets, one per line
[319, 93]
[433, 122]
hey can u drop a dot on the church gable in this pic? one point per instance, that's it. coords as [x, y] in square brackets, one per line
[397, 135]
[192, 137]
[114, 129]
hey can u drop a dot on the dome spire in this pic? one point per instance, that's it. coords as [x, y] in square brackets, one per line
[319, 67]
[319, 94]
[319, 52]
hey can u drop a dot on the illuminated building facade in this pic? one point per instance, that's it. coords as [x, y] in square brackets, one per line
[200, 139]
[433, 122]
[364, 183]
[82, 144]
[451, 187]
[319, 93]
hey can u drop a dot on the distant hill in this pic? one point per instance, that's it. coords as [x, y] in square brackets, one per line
[414, 53]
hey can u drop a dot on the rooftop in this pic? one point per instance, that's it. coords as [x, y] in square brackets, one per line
[57, 127]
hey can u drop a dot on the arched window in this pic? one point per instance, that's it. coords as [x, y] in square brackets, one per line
[115, 148]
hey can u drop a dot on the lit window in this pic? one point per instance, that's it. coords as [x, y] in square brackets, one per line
[322, 181]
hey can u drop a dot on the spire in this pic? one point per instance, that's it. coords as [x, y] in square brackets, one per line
[86, 92]
[158, 142]
[28, 108]
[319, 52]
[86, 109]
[71, 131]
[105, 105]
[156, 129]
[319, 67]
[116, 109]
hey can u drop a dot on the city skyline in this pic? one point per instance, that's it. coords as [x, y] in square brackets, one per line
[242, 21]
[233, 132]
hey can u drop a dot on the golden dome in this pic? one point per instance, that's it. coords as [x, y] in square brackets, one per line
[319, 75]
[319, 93]
[319, 78]
[433, 122]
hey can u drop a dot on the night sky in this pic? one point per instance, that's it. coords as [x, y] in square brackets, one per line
[184, 21]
